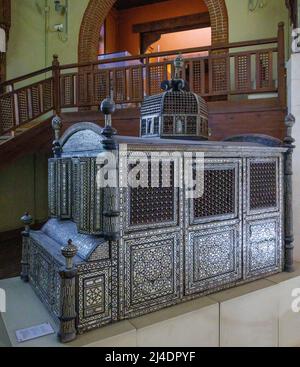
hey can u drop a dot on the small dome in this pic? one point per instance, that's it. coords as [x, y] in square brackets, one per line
[176, 112]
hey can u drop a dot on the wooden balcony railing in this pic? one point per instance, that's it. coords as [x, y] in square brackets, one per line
[258, 67]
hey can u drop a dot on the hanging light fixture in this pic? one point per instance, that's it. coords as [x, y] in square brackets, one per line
[2, 40]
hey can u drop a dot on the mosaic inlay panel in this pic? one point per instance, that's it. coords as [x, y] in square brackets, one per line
[94, 296]
[264, 250]
[213, 256]
[151, 271]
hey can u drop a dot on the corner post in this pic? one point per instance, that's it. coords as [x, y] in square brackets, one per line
[288, 195]
[111, 194]
[27, 220]
[67, 330]
[56, 126]
[56, 84]
[281, 66]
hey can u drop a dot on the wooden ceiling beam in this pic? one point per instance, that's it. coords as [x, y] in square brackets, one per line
[199, 20]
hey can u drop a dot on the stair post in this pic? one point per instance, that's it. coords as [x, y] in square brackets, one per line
[56, 84]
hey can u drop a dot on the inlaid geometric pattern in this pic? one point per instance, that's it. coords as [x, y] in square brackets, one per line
[264, 250]
[213, 256]
[263, 185]
[152, 272]
[219, 194]
[94, 296]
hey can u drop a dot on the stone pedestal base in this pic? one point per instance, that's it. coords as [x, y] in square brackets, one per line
[255, 314]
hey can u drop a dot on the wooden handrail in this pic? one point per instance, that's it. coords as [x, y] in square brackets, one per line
[26, 76]
[265, 41]
[209, 75]
[145, 56]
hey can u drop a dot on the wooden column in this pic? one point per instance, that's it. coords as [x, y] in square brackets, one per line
[282, 90]
[56, 84]
[288, 195]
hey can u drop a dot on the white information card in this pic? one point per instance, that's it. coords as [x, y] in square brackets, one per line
[34, 332]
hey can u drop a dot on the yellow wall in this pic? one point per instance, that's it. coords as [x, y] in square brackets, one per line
[27, 38]
[23, 186]
[30, 47]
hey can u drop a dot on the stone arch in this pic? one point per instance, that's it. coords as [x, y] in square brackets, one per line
[97, 11]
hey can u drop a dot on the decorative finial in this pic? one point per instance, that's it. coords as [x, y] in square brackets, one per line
[179, 64]
[177, 83]
[69, 252]
[26, 220]
[289, 123]
[56, 126]
[108, 107]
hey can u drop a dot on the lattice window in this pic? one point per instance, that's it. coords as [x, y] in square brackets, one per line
[47, 95]
[144, 127]
[152, 205]
[23, 106]
[157, 74]
[243, 72]
[35, 100]
[149, 126]
[191, 125]
[102, 85]
[67, 88]
[180, 102]
[120, 86]
[219, 194]
[198, 76]
[156, 126]
[136, 84]
[168, 125]
[263, 185]
[264, 72]
[219, 70]
[81, 82]
[6, 112]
